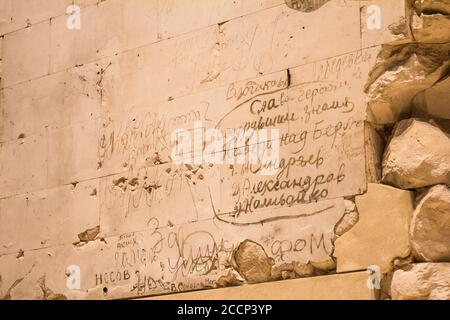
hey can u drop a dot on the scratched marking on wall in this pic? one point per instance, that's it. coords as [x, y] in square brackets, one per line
[290, 214]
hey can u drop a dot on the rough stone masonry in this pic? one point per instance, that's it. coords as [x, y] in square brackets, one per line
[92, 205]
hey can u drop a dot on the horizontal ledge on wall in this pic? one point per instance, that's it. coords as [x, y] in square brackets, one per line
[345, 286]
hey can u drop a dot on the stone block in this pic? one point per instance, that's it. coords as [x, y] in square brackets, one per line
[24, 61]
[375, 143]
[207, 13]
[433, 102]
[108, 28]
[279, 37]
[430, 226]
[166, 259]
[377, 20]
[23, 165]
[48, 217]
[350, 286]
[18, 14]
[418, 155]
[69, 160]
[140, 78]
[52, 102]
[423, 281]
[381, 234]
[391, 96]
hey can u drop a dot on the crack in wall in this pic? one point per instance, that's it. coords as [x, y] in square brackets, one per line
[7, 295]
[47, 293]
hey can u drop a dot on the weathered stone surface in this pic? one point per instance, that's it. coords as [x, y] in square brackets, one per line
[48, 294]
[297, 269]
[18, 14]
[272, 36]
[18, 173]
[25, 63]
[433, 28]
[430, 226]
[434, 102]
[392, 12]
[89, 234]
[87, 177]
[206, 12]
[252, 262]
[68, 159]
[374, 141]
[131, 24]
[304, 270]
[229, 280]
[390, 98]
[1, 59]
[410, 65]
[350, 286]
[166, 258]
[324, 267]
[423, 281]
[349, 219]
[418, 155]
[52, 102]
[381, 233]
[432, 6]
[48, 217]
